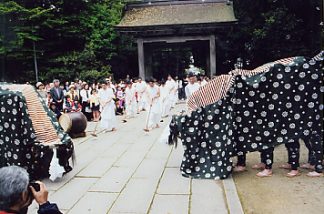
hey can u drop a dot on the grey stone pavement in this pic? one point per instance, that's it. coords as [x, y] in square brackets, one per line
[130, 171]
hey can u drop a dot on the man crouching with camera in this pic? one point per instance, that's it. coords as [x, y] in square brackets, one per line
[17, 193]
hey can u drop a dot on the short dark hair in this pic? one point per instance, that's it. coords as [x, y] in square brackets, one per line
[103, 82]
[191, 75]
[150, 79]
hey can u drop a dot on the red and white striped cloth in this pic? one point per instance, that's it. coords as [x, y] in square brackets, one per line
[217, 88]
[211, 92]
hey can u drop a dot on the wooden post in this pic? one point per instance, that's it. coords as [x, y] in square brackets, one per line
[212, 55]
[35, 61]
[141, 65]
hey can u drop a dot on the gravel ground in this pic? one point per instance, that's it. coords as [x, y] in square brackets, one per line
[279, 194]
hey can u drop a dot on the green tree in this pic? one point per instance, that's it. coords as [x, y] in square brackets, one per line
[71, 37]
[273, 29]
[75, 37]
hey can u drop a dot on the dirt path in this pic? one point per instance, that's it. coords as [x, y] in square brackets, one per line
[279, 194]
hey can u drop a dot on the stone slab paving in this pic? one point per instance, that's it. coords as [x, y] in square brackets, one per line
[172, 183]
[150, 169]
[205, 197]
[114, 180]
[97, 168]
[130, 171]
[170, 204]
[94, 202]
[69, 194]
[136, 197]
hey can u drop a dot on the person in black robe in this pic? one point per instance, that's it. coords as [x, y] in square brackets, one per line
[259, 112]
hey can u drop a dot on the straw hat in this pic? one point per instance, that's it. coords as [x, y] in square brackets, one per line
[39, 84]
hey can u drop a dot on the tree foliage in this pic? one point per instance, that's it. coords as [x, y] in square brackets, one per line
[76, 38]
[71, 37]
[274, 29]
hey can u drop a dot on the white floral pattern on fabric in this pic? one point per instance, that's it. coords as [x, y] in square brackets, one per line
[286, 105]
[18, 142]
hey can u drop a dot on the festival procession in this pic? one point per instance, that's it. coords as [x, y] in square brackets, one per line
[165, 106]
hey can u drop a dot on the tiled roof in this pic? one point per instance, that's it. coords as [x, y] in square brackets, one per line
[204, 13]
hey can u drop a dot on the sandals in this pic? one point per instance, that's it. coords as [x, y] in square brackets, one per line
[239, 169]
[112, 130]
[264, 173]
[314, 174]
[307, 166]
[285, 166]
[259, 166]
[293, 173]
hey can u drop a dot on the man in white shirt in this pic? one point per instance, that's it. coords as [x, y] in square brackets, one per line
[107, 105]
[192, 85]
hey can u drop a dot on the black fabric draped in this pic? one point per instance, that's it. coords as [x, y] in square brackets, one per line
[18, 142]
[258, 112]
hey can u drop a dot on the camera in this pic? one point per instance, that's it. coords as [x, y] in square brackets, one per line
[35, 185]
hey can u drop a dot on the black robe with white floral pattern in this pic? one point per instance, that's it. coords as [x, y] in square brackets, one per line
[258, 112]
[18, 143]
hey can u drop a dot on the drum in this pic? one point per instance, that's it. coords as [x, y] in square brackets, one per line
[73, 122]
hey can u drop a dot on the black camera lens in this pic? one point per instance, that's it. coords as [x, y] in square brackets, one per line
[35, 185]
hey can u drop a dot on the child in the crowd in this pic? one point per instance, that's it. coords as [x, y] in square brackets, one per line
[55, 110]
[94, 105]
[120, 100]
[71, 106]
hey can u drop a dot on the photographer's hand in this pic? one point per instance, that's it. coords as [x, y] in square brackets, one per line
[42, 195]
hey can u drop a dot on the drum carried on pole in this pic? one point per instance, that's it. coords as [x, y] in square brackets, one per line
[74, 123]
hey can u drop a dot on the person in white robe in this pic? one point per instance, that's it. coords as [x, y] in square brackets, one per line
[165, 100]
[130, 100]
[203, 81]
[107, 105]
[152, 94]
[192, 86]
[173, 87]
[140, 88]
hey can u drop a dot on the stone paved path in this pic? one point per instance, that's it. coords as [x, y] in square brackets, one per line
[129, 171]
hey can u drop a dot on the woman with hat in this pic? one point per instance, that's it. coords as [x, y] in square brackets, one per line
[73, 94]
[41, 90]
